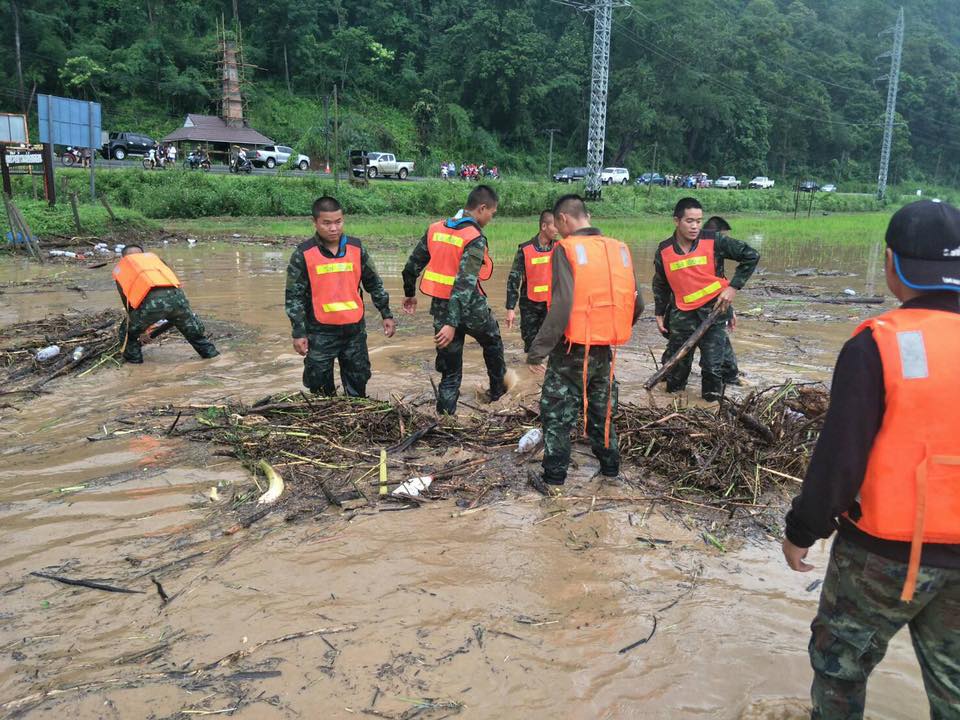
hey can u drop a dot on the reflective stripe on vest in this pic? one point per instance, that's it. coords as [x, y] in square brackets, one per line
[139, 273]
[604, 290]
[538, 271]
[446, 245]
[911, 488]
[693, 276]
[335, 285]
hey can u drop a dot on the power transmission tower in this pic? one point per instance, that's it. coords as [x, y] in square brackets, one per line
[894, 82]
[597, 132]
[551, 131]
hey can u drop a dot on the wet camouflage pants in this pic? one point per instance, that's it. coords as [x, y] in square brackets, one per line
[860, 611]
[348, 346]
[485, 331]
[561, 404]
[729, 370]
[682, 326]
[164, 304]
[532, 315]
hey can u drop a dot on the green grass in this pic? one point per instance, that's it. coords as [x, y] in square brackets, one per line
[505, 233]
[45, 221]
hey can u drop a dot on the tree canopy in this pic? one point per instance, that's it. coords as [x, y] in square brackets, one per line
[778, 87]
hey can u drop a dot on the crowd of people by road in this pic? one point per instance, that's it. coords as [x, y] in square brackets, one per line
[469, 171]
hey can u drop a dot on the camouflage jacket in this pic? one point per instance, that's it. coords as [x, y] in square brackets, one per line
[467, 304]
[298, 304]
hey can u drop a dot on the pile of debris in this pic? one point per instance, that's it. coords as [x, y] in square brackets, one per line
[34, 353]
[350, 453]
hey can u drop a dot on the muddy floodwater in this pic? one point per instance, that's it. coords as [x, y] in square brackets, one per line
[508, 612]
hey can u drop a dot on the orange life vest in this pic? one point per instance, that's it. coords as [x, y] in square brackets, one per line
[335, 284]
[446, 241]
[693, 276]
[911, 489]
[538, 269]
[604, 296]
[139, 273]
[604, 290]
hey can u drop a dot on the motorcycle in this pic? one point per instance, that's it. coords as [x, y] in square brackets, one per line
[241, 165]
[70, 157]
[151, 162]
[195, 162]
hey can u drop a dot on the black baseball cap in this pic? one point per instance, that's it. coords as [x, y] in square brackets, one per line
[925, 239]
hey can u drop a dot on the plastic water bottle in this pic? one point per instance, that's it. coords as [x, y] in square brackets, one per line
[530, 440]
[77, 354]
[414, 486]
[48, 353]
[63, 253]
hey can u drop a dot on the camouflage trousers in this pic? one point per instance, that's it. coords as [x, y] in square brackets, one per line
[682, 325]
[860, 611]
[168, 304]
[561, 403]
[348, 346]
[486, 332]
[532, 315]
[729, 370]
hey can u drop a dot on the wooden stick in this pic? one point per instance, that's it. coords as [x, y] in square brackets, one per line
[686, 347]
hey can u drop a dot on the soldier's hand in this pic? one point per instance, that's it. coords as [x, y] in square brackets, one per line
[661, 326]
[795, 556]
[301, 346]
[445, 336]
[725, 299]
[732, 323]
[409, 305]
[538, 370]
[511, 317]
[389, 326]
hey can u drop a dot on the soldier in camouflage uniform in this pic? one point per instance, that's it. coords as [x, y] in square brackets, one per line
[686, 241]
[532, 313]
[466, 312]
[885, 477]
[562, 397]
[729, 370]
[321, 343]
[161, 303]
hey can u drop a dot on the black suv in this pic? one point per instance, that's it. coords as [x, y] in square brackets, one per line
[809, 186]
[570, 174]
[121, 144]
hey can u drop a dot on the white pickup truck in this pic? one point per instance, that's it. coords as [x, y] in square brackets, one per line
[761, 182]
[384, 165]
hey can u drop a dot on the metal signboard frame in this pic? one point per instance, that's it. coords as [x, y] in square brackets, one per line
[13, 129]
[64, 121]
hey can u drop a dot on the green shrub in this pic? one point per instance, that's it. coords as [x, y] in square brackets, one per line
[46, 222]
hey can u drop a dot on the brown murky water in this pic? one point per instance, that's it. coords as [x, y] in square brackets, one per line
[510, 611]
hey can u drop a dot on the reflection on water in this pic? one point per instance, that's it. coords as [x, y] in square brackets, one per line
[507, 611]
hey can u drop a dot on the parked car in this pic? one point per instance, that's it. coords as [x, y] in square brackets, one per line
[614, 176]
[381, 164]
[273, 155]
[651, 179]
[728, 182]
[809, 186]
[829, 187]
[121, 144]
[761, 182]
[570, 174]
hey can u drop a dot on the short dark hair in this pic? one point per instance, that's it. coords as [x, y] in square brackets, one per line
[482, 195]
[717, 223]
[325, 204]
[546, 214]
[684, 204]
[572, 205]
[130, 246]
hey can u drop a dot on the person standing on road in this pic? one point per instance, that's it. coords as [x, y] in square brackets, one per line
[529, 280]
[687, 264]
[452, 255]
[594, 306]
[151, 292]
[729, 370]
[325, 305]
[885, 474]
[172, 154]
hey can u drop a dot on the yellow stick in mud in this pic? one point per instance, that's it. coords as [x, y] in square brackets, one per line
[383, 471]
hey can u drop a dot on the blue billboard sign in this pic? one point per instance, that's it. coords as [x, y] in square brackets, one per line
[68, 122]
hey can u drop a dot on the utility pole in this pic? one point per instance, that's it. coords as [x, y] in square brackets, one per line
[596, 134]
[893, 83]
[551, 131]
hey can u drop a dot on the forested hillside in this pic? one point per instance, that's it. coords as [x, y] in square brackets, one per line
[783, 87]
